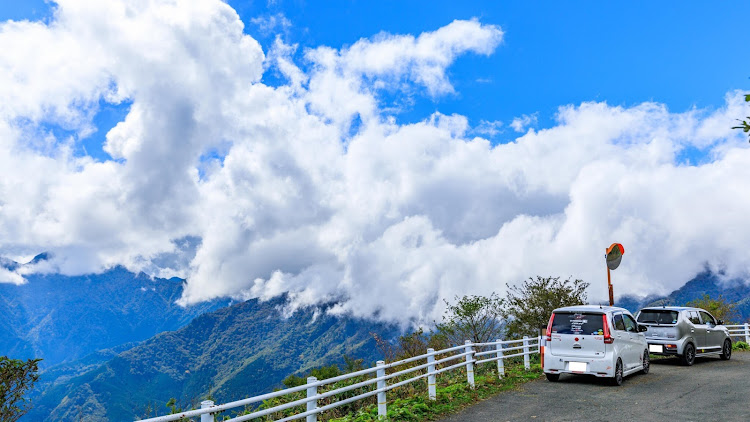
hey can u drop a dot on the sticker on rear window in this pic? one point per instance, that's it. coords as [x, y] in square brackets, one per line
[581, 323]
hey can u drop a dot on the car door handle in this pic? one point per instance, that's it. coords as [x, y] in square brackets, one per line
[692, 330]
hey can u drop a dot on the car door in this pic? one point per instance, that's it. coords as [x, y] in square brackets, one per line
[714, 336]
[622, 341]
[634, 352]
[697, 329]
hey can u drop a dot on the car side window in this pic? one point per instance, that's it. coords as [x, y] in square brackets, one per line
[630, 324]
[707, 318]
[693, 317]
[619, 325]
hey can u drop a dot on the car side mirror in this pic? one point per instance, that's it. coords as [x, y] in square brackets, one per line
[642, 328]
[720, 322]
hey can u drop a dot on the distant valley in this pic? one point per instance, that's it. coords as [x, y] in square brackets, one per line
[116, 346]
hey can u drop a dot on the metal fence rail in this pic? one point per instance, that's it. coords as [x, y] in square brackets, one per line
[742, 330]
[469, 354]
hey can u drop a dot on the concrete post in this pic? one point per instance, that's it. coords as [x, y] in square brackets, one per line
[469, 363]
[526, 363]
[500, 360]
[207, 417]
[382, 409]
[431, 374]
[312, 404]
[747, 333]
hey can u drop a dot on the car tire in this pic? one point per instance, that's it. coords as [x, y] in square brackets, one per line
[646, 362]
[617, 379]
[726, 350]
[688, 355]
[552, 377]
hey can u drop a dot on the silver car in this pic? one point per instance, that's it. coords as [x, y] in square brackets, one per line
[685, 332]
[604, 341]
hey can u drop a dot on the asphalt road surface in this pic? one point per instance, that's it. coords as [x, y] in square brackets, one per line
[710, 390]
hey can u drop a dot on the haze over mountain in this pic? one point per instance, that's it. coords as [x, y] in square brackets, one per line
[247, 349]
[236, 352]
[736, 291]
[63, 318]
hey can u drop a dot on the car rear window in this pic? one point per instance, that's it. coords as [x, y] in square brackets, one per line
[581, 323]
[651, 316]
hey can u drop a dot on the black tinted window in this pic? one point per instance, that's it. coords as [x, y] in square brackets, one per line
[693, 317]
[577, 323]
[651, 316]
[619, 324]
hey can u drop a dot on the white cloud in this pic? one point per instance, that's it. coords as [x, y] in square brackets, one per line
[270, 24]
[519, 124]
[489, 128]
[317, 191]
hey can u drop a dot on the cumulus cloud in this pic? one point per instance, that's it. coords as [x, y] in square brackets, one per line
[314, 189]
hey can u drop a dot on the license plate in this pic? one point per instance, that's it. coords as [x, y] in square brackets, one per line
[656, 348]
[577, 366]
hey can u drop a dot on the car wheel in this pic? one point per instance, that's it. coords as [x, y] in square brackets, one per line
[617, 380]
[552, 377]
[688, 355]
[646, 362]
[726, 351]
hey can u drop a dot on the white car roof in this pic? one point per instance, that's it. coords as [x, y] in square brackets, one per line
[591, 308]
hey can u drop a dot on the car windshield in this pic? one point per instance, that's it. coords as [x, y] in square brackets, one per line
[657, 316]
[581, 323]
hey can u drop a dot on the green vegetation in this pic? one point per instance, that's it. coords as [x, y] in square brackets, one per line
[529, 306]
[411, 402]
[719, 308]
[475, 318]
[740, 345]
[744, 124]
[236, 352]
[17, 378]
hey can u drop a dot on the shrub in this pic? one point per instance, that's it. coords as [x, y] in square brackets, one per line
[740, 345]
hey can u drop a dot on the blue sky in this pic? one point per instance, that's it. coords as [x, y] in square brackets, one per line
[682, 54]
[294, 172]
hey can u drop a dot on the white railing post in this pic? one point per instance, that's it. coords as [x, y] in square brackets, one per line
[747, 333]
[208, 417]
[526, 353]
[431, 374]
[382, 409]
[312, 391]
[469, 363]
[500, 359]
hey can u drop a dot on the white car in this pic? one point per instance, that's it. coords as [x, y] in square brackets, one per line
[604, 341]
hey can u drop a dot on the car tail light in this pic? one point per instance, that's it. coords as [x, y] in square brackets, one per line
[549, 327]
[607, 336]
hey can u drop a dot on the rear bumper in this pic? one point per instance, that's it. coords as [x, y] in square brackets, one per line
[679, 346]
[603, 367]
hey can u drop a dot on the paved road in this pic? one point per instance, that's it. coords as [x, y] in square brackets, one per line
[710, 390]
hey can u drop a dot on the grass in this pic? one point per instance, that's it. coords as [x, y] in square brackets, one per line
[452, 396]
[411, 402]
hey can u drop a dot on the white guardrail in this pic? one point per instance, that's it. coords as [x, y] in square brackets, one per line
[493, 352]
[740, 331]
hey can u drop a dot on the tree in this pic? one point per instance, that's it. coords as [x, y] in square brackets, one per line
[744, 124]
[475, 318]
[529, 306]
[16, 379]
[719, 308]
